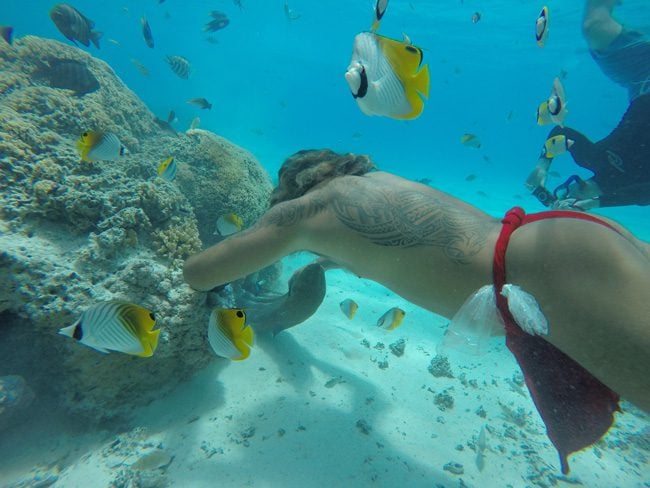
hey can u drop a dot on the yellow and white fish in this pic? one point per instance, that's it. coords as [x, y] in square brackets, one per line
[557, 145]
[228, 224]
[116, 326]
[554, 109]
[470, 140]
[349, 307]
[391, 319]
[379, 11]
[386, 77]
[167, 169]
[228, 334]
[100, 146]
[541, 27]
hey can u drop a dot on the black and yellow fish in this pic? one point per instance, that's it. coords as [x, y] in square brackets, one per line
[386, 77]
[116, 326]
[229, 335]
[100, 146]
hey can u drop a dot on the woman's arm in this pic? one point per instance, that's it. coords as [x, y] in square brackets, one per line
[241, 254]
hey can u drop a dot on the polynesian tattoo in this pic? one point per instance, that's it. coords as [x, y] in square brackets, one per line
[392, 218]
[408, 218]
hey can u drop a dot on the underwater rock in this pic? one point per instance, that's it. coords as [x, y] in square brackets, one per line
[15, 396]
[74, 233]
[219, 178]
[397, 347]
[69, 75]
[439, 367]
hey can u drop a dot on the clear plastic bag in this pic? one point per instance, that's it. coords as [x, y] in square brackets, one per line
[472, 326]
[525, 310]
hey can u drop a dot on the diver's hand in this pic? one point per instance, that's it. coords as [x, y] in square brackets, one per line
[575, 204]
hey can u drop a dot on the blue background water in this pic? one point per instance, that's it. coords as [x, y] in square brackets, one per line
[277, 85]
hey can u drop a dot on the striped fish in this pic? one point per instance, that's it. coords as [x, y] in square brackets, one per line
[349, 307]
[167, 169]
[116, 326]
[228, 334]
[180, 66]
[100, 146]
[391, 319]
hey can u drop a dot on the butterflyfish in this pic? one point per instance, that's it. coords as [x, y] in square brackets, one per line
[116, 326]
[476, 17]
[379, 11]
[470, 140]
[228, 224]
[391, 319]
[349, 307]
[541, 27]
[228, 334]
[100, 146]
[554, 109]
[386, 77]
[557, 145]
[167, 169]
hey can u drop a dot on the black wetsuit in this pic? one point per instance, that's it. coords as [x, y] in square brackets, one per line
[621, 161]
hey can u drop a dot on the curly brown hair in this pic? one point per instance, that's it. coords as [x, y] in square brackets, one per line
[305, 169]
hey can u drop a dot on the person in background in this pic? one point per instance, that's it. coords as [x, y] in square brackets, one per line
[621, 161]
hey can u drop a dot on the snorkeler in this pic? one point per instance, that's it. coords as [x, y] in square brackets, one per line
[620, 161]
[436, 251]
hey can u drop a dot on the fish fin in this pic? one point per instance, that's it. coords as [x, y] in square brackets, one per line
[417, 87]
[404, 58]
[144, 323]
[94, 37]
[244, 342]
[375, 26]
[150, 343]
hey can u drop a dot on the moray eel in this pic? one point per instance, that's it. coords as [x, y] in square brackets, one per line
[276, 313]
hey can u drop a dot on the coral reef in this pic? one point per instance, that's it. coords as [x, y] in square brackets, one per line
[440, 367]
[73, 233]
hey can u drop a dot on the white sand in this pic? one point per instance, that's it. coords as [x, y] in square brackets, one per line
[273, 420]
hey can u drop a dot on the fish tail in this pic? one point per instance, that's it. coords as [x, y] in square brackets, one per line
[94, 37]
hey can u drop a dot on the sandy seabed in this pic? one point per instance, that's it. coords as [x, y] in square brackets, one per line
[328, 403]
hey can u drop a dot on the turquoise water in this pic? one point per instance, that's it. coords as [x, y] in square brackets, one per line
[277, 86]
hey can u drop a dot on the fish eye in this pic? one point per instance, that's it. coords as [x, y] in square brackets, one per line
[151, 316]
[85, 134]
[240, 314]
